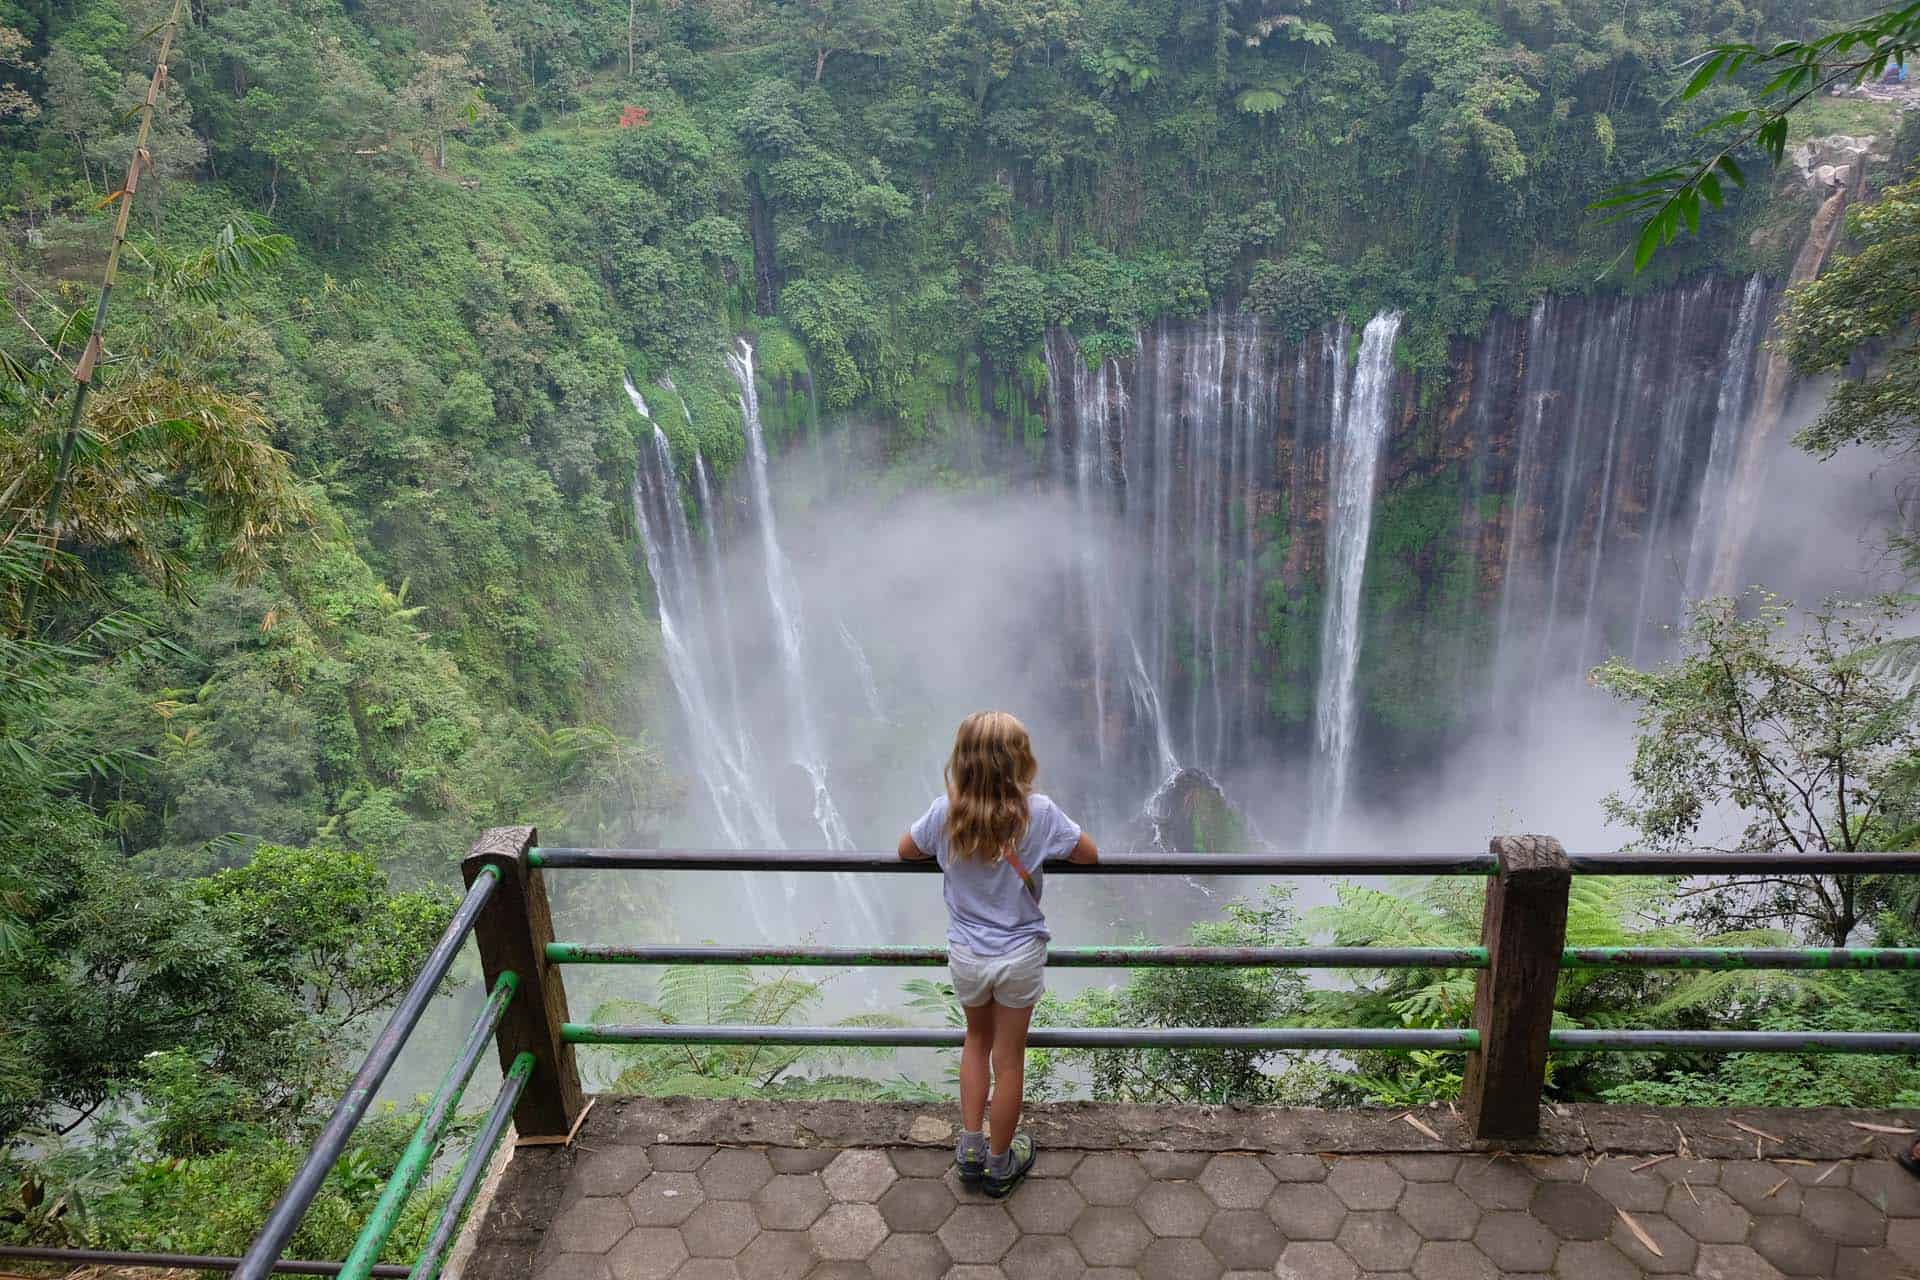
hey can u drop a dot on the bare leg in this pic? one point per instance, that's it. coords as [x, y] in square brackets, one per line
[1009, 1042]
[974, 1057]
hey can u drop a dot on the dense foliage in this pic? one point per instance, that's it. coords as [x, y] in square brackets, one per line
[342, 565]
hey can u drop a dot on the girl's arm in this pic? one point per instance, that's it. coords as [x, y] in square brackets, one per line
[1084, 850]
[911, 852]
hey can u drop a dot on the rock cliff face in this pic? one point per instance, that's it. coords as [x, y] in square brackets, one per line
[1496, 527]
[1545, 502]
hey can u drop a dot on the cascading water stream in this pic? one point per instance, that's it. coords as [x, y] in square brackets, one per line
[1729, 426]
[1360, 428]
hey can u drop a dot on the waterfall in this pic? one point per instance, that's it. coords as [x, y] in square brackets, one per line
[783, 599]
[721, 752]
[1729, 426]
[1353, 467]
[862, 670]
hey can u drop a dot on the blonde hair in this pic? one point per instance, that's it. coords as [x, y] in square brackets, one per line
[989, 777]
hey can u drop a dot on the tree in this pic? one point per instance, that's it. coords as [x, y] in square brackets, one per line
[79, 100]
[1864, 301]
[1673, 199]
[442, 98]
[1790, 729]
[1206, 997]
[15, 102]
[827, 27]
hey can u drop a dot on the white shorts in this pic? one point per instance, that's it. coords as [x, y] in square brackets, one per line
[1016, 979]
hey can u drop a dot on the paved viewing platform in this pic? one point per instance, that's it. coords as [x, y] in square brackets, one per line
[658, 1188]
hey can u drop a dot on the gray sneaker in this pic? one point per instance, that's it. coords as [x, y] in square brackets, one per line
[1020, 1158]
[970, 1159]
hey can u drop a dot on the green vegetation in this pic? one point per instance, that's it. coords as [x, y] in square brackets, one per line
[335, 561]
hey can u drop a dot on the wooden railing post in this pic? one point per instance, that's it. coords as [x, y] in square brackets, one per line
[1523, 929]
[513, 931]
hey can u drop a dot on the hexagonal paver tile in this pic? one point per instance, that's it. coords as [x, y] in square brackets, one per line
[1174, 1164]
[1763, 1190]
[1888, 1188]
[1867, 1264]
[665, 1199]
[1635, 1190]
[1243, 1238]
[1378, 1241]
[1174, 1209]
[1732, 1262]
[1047, 1206]
[1315, 1260]
[719, 1229]
[1439, 1211]
[975, 1271]
[1297, 1168]
[848, 1232]
[1495, 1183]
[1306, 1211]
[1572, 1211]
[1594, 1260]
[1179, 1260]
[916, 1204]
[1110, 1237]
[790, 1202]
[1903, 1237]
[1677, 1249]
[735, 1173]
[647, 1253]
[591, 1226]
[1557, 1168]
[1237, 1182]
[1056, 1164]
[1453, 1260]
[1043, 1258]
[612, 1171]
[979, 1233]
[678, 1158]
[910, 1257]
[921, 1162]
[1792, 1246]
[1701, 1173]
[777, 1255]
[574, 1266]
[1843, 1217]
[1708, 1214]
[1366, 1184]
[1109, 1178]
[1515, 1242]
[803, 1159]
[707, 1269]
[861, 1175]
[1426, 1167]
[840, 1269]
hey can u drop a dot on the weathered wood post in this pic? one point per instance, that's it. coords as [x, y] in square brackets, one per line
[513, 931]
[1523, 930]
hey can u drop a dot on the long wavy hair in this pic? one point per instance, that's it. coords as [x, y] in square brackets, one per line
[989, 777]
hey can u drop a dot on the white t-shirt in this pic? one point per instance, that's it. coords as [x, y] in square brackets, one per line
[989, 911]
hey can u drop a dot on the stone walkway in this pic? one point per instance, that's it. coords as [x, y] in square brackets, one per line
[704, 1191]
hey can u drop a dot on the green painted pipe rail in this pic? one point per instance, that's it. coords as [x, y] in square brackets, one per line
[427, 1134]
[1256, 1039]
[567, 953]
[473, 1169]
[1740, 958]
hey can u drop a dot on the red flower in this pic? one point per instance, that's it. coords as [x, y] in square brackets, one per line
[631, 116]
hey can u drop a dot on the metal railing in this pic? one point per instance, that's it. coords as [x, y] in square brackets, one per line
[1517, 964]
[494, 883]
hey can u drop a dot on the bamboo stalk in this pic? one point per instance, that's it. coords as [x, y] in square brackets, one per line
[90, 355]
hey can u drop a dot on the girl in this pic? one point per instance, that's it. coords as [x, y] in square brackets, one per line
[991, 833]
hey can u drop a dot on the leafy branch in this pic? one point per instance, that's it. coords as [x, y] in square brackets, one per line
[1672, 198]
